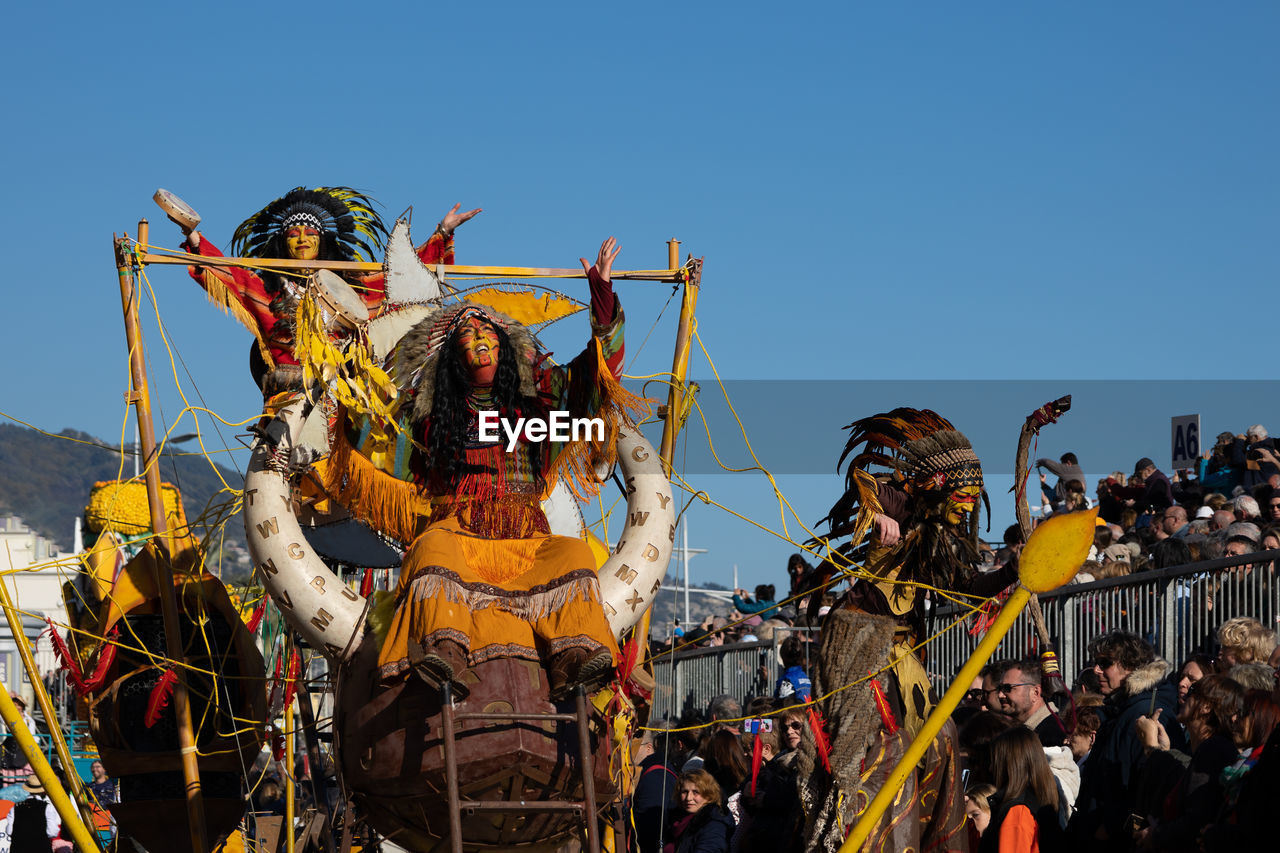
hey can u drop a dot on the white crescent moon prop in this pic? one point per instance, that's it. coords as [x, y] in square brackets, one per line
[329, 615]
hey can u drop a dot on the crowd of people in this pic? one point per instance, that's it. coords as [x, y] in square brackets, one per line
[1135, 755]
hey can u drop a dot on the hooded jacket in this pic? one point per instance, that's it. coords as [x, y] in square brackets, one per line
[1107, 780]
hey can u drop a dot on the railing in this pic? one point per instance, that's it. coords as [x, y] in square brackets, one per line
[1178, 610]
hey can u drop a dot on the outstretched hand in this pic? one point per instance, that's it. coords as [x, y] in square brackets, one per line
[453, 218]
[604, 261]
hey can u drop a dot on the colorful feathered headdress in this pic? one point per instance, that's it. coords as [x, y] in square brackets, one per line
[922, 451]
[344, 216]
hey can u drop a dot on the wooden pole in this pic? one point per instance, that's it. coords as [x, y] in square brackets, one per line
[126, 265]
[680, 360]
[46, 704]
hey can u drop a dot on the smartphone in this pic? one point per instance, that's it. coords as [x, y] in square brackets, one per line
[759, 724]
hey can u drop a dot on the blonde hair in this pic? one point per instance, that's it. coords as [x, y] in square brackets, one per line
[980, 795]
[1252, 640]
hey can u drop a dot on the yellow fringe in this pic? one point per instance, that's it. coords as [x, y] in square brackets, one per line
[618, 406]
[224, 297]
[386, 503]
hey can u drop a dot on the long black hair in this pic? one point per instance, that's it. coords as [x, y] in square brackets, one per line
[446, 429]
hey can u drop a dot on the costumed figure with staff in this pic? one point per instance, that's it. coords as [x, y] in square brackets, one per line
[913, 484]
[325, 223]
[483, 577]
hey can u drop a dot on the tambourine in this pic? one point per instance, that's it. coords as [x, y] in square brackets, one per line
[178, 211]
[342, 308]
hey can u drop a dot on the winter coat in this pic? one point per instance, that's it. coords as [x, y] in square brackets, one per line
[708, 832]
[1106, 783]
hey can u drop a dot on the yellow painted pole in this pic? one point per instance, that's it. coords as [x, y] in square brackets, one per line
[42, 698]
[941, 713]
[125, 267]
[80, 834]
[679, 362]
[288, 778]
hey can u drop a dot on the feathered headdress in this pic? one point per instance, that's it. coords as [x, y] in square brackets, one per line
[346, 217]
[413, 365]
[922, 451]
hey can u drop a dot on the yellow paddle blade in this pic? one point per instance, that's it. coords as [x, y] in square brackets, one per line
[1056, 550]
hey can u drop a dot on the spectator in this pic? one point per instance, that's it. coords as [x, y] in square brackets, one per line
[975, 738]
[1084, 734]
[1156, 492]
[699, 826]
[1019, 697]
[1246, 508]
[1209, 717]
[655, 789]
[800, 574]
[794, 682]
[1273, 508]
[722, 712]
[977, 806]
[1132, 683]
[1170, 552]
[1221, 520]
[104, 788]
[764, 604]
[1024, 816]
[1253, 676]
[1255, 454]
[1067, 468]
[1195, 668]
[1244, 640]
[32, 824]
[727, 763]
[1173, 522]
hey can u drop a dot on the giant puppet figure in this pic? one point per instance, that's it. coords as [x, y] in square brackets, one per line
[913, 485]
[325, 223]
[483, 577]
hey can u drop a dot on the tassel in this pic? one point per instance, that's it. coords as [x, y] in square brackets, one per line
[366, 583]
[160, 695]
[882, 705]
[68, 660]
[277, 746]
[256, 619]
[819, 728]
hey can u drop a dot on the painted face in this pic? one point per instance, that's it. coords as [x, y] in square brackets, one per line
[691, 798]
[303, 242]
[1191, 673]
[962, 502]
[1111, 675]
[477, 345]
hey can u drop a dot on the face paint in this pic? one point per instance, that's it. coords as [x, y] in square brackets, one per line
[477, 345]
[303, 242]
[962, 502]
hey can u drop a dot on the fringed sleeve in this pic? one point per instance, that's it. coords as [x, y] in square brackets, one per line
[384, 502]
[231, 289]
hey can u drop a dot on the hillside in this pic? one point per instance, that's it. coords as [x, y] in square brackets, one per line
[46, 479]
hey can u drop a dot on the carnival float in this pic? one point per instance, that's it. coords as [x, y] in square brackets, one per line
[489, 696]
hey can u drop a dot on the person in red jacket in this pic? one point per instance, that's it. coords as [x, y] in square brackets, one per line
[325, 223]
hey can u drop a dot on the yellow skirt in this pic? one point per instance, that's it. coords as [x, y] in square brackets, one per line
[530, 598]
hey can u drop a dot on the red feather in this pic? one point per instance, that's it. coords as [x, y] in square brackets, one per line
[757, 755]
[819, 728]
[160, 695]
[366, 583]
[68, 660]
[256, 619]
[106, 657]
[277, 746]
[882, 705]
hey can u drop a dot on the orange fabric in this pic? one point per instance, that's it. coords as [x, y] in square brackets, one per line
[1018, 832]
[527, 597]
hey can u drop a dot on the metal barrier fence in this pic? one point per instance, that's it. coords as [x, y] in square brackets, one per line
[1177, 610]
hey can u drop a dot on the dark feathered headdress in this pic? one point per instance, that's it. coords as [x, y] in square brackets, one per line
[922, 451]
[345, 217]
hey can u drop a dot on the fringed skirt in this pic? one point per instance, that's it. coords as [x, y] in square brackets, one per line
[529, 597]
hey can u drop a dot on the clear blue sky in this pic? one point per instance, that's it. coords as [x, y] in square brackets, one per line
[881, 192]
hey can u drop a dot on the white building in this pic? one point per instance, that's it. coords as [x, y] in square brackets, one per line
[33, 570]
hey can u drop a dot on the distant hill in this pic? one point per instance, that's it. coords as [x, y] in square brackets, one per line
[46, 479]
